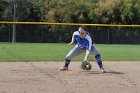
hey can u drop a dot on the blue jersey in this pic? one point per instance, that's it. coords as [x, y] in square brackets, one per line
[83, 43]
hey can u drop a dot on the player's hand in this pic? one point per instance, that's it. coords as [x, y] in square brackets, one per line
[85, 59]
[70, 43]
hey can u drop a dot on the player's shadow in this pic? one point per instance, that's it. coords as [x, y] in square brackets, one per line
[114, 72]
[106, 72]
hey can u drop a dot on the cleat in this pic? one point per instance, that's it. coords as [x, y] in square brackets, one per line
[63, 69]
[102, 70]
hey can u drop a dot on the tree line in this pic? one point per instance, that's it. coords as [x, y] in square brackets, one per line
[72, 11]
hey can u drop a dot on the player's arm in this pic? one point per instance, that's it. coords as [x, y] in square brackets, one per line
[72, 39]
[87, 55]
[88, 48]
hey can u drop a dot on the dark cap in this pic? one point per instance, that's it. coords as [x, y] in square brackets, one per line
[81, 32]
[84, 28]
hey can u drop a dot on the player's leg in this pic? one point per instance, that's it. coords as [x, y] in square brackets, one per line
[73, 53]
[98, 57]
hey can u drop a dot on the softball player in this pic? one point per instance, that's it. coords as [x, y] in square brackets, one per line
[84, 45]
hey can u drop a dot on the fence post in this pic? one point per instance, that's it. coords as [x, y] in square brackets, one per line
[14, 25]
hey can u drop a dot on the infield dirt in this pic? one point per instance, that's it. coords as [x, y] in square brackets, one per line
[45, 77]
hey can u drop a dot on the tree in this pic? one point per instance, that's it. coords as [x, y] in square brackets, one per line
[127, 11]
[71, 11]
[3, 4]
[105, 11]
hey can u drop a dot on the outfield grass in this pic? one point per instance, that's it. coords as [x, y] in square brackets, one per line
[57, 52]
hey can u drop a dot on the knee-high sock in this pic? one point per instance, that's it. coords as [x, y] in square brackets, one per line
[99, 60]
[67, 62]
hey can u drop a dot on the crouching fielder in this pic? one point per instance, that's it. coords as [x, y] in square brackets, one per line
[84, 45]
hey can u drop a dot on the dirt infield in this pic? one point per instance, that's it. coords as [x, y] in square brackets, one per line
[45, 77]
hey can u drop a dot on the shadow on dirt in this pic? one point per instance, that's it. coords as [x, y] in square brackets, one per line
[106, 72]
[114, 72]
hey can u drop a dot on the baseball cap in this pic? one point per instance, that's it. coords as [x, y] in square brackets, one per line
[81, 31]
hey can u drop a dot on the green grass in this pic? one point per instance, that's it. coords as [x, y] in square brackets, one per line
[57, 52]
